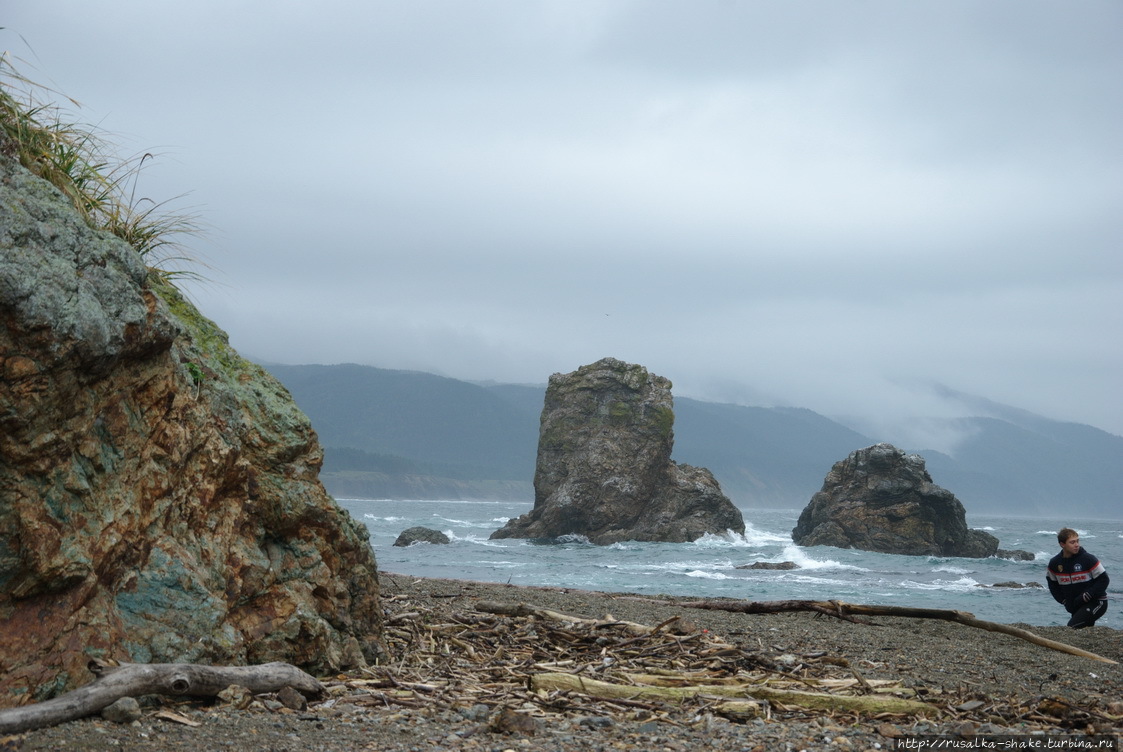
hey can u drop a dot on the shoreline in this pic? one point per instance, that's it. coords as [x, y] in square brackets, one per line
[458, 676]
[668, 599]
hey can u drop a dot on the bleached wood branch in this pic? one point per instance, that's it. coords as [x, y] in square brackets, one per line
[137, 679]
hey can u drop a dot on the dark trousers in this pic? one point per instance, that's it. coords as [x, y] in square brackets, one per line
[1086, 615]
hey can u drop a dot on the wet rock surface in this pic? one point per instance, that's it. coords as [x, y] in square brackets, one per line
[780, 565]
[420, 534]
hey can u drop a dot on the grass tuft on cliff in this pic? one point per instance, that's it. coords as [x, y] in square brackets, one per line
[77, 160]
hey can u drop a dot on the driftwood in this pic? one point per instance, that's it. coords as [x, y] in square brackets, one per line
[867, 705]
[849, 610]
[136, 679]
[524, 610]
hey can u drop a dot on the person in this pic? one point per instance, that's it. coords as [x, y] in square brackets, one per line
[1077, 580]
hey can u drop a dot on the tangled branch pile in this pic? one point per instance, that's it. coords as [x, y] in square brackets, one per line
[522, 666]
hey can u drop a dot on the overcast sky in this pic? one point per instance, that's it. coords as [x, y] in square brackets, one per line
[825, 204]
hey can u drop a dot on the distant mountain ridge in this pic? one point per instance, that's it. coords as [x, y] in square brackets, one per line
[409, 434]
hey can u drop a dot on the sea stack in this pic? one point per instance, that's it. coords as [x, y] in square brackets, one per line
[881, 499]
[604, 468]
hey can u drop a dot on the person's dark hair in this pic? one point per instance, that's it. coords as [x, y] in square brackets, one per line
[1065, 533]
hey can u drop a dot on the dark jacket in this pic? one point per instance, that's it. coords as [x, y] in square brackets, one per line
[1069, 579]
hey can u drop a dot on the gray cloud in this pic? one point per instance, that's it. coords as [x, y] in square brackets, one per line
[814, 204]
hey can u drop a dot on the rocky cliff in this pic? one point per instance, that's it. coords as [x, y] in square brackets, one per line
[159, 498]
[881, 499]
[604, 466]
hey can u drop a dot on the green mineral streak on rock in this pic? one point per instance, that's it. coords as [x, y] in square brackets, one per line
[165, 593]
[49, 689]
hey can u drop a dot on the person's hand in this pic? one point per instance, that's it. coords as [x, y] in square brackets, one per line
[1086, 596]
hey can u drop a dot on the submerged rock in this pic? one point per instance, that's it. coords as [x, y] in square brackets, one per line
[780, 565]
[604, 466]
[420, 534]
[881, 499]
[1015, 554]
[159, 494]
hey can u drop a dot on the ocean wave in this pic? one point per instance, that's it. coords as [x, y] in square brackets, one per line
[763, 537]
[963, 584]
[706, 575]
[952, 570]
[803, 560]
[412, 502]
[502, 564]
[751, 538]
[679, 567]
[485, 524]
[470, 538]
[573, 538]
[790, 578]
[369, 516]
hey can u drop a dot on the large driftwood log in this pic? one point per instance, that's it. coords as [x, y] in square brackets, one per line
[870, 705]
[136, 679]
[848, 610]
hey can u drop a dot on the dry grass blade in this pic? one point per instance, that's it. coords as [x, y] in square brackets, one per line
[80, 163]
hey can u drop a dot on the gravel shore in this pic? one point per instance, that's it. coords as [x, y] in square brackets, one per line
[456, 678]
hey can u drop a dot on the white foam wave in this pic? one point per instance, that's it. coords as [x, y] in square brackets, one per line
[963, 584]
[751, 538]
[803, 560]
[485, 524]
[763, 537]
[986, 527]
[813, 580]
[681, 567]
[413, 502]
[573, 538]
[470, 538]
[952, 570]
[1081, 533]
[502, 564]
[376, 518]
[706, 575]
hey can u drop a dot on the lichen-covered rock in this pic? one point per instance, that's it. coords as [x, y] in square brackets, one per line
[604, 464]
[159, 495]
[881, 499]
[421, 534]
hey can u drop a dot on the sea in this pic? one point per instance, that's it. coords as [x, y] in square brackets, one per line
[709, 567]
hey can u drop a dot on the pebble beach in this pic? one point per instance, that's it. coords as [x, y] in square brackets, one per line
[459, 676]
